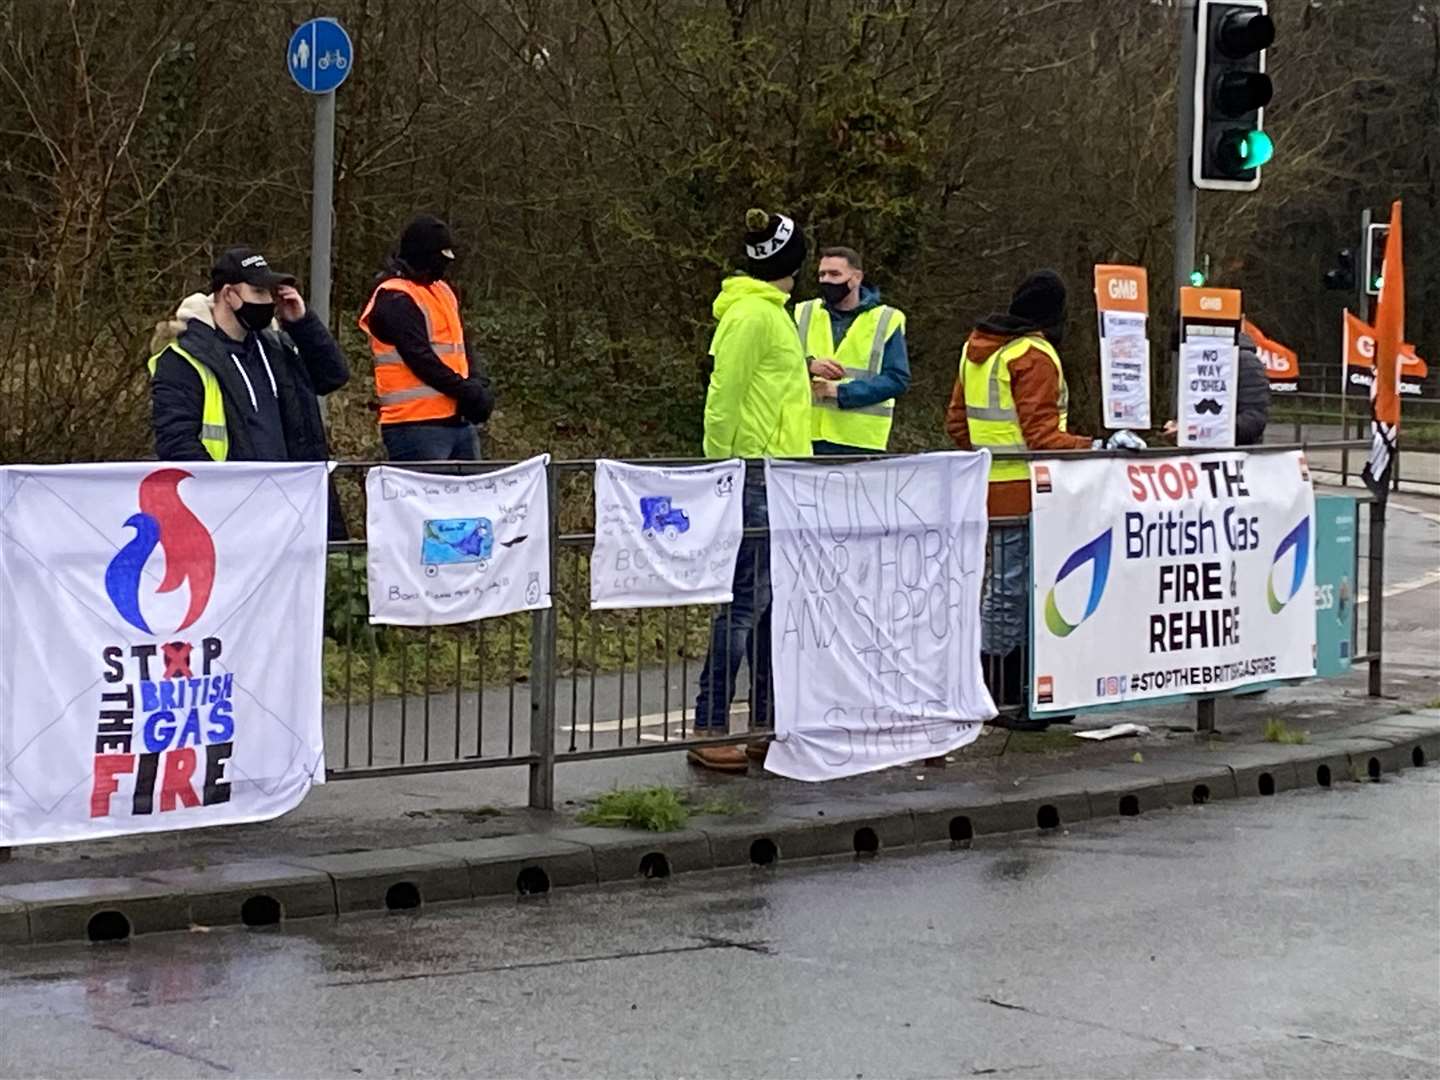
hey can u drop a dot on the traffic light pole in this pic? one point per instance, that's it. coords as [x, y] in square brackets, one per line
[1363, 311]
[1185, 193]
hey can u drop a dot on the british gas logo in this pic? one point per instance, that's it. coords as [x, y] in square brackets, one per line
[1298, 539]
[164, 521]
[1097, 553]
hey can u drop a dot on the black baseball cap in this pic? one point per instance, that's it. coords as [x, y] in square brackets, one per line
[246, 265]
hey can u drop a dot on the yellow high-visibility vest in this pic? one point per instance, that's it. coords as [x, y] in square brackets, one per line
[860, 354]
[214, 435]
[990, 406]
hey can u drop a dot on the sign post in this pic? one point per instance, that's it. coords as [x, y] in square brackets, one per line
[1209, 366]
[320, 56]
[1122, 300]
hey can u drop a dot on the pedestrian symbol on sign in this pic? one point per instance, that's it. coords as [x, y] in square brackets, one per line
[301, 57]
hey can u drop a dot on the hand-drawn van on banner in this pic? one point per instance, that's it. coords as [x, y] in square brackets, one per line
[658, 516]
[457, 541]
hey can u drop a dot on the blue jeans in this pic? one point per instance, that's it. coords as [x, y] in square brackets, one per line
[1005, 605]
[430, 442]
[742, 629]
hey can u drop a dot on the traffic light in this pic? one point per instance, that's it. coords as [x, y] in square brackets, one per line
[1343, 276]
[1375, 257]
[1231, 92]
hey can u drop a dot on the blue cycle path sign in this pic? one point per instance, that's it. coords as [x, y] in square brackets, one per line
[320, 56]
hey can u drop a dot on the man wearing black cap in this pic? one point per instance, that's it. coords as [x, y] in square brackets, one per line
[1010, 394]
[227, 385]
[430, 387]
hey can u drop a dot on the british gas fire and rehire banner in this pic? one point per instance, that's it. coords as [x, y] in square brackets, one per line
[1163, 576]
[160, 646]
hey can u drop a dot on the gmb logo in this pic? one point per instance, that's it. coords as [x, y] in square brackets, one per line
[1097, 554]
[1297, 538]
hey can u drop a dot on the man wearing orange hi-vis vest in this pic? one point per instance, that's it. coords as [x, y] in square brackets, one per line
[431, 391]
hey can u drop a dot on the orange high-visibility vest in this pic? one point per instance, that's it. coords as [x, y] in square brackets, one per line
[404, 397]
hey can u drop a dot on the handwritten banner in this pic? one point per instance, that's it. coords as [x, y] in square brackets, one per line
[876, 570]
[665, 536]
[453, 549]
[160, 637]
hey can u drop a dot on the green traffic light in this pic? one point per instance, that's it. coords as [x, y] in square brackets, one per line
[1256, 149]
[1379, 281]
[1197, 278]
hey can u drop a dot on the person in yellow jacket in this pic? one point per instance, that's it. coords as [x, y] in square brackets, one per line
[757, 406]
[855, 347]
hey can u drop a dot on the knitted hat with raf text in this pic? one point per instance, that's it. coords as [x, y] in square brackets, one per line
[774, 246]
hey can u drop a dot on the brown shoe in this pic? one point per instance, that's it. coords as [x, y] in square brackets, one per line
[757, 750]
[729, 759]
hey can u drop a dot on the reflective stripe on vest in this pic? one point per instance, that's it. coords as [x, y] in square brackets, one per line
[990, 412]
[404, 396]
[214, 435]
[867, 427]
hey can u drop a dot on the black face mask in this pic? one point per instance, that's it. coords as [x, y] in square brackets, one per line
[430, 267]
[255, 317]
[834, 291]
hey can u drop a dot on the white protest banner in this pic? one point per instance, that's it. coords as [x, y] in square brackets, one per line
[453, 549]
[160, 646]
[1122, 300]
[665, 536]
[876, 570]
[1162, 576]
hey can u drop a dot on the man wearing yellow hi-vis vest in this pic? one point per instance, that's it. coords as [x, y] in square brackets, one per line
[1010, 394]
[236, 373]
[855, 349]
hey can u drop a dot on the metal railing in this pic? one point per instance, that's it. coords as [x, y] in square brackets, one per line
[572, 684]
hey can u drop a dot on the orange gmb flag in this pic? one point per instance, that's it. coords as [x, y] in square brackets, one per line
[1360, 351]
[1390, 325]
[1389, 343]
[1282, 363]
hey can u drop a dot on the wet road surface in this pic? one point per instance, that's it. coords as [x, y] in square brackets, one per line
[1291, 936]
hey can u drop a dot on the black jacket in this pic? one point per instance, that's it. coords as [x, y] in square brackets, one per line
[306, 363]
[1252, 395]
[398, 321]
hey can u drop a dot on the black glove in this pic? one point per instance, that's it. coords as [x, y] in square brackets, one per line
[476, 400]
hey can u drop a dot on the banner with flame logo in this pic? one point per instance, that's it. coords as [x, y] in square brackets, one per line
[1165, 576]
[160, 654]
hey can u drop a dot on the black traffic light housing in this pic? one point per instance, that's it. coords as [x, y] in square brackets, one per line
[1231, 92]
[1343, 275]
[1375, 235]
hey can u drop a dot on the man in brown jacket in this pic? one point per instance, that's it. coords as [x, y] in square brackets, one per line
[1010, 393]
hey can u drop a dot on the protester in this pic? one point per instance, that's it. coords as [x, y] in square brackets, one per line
[757, 406]
[432, 388]
[228, 385]
[1010, 394]
[855, 348]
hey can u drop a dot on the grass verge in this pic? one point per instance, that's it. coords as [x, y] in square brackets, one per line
[1277, 731]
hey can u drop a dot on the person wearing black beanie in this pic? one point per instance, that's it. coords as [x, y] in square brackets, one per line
[757, 406]
[1010, 393]
[432, 387]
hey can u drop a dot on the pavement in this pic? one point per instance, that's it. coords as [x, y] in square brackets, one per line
[351, 842]
[1289, 936]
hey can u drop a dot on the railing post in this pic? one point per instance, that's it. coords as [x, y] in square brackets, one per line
[1375, 611]
[1204, 715]
[542, 673]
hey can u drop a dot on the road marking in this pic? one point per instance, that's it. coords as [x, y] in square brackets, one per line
[649, 720]
[1399, 587]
